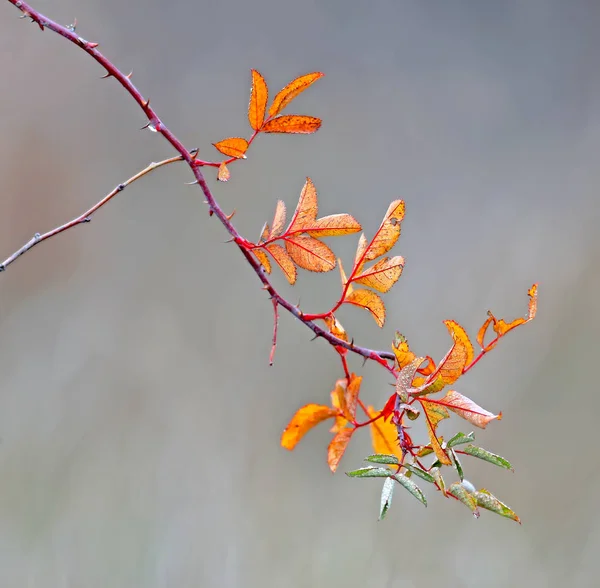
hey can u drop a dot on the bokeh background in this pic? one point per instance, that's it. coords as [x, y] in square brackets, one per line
[139, 419]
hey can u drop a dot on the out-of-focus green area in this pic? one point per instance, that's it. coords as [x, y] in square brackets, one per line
[139, 420]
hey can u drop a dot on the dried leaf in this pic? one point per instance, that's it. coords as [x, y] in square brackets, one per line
[344, 279]
[223, 174]
[295, 87]
[352, 393]
[482, 331]
[306, 209]
[384, 436]
[383, 275]
[433, 415]
[387, 234]
[533, 291]
[337, 447]
[488, 501]
[468, 410]
[284, 261]
[259, 95]
[338, 400]
[334, 225]
[233, 147]
[405, 378]
[370, 301]
[263, 258]
[292, 123]
[460, 355]
[278, 220]
[488, 456]
[310, 253]
[264, 233]
[336, 328]
[303, 421]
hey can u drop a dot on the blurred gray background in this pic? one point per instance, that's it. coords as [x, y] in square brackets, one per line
[139, 420]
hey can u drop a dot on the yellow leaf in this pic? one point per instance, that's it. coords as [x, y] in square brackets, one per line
[337, 447]
[223, 174]
[292, 123]
[338, 400]
[303, 421]
[310, 253]
[278, 220]
[533, 291]
[387, 234]
[383, 275]
[264, 260]
[460, 355]
[259, 95]
[433, 415]
[333, 225]
[369, 300]
[284, 261]
[233, 147]
[352, 393]
[384, 436]
[468, 410]
[295, 87]
[306, 209]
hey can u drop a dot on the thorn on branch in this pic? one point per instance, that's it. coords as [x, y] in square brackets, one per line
[192, 184]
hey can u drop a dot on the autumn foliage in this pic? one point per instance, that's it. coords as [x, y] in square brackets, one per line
[423, 389]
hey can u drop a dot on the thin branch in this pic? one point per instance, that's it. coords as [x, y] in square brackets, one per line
[155, 124]
[86, 217]
[275, 326]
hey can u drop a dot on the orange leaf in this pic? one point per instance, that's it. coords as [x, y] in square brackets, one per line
[467, 409]
[338, 400]
[406, 376]
[460, 355]
[433, 415]
[336, 328]
[401, 350]
[264, 233]
[349, 289]
[387, 234]
[333, 225]
[307, 207]
[360, 252]
[352, 393]
[223, 174]
[369, 300]
[278, 220]
[310, 253]
[383, 275]
[337, 447]
[482, 331]
[532, 302]
[303, 421]
[292, 123]
[295, 87]
[233, 147]
[264, 260]
[384, 435]
[284, 261]
[259, 95]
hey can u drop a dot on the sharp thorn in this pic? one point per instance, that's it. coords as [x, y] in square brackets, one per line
[106, 75]
[230, 240]
[191, 183]
[147, 125]
[315, 337]
[230, 216]
[128, 76]
[194, 153]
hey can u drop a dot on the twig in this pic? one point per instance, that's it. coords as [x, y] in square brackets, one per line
[275, 325]
[86, 217]
[155, 124]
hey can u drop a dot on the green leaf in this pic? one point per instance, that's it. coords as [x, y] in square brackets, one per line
[437, 476]
[457, 465]
[370, 473]
[459, 491]
[411, 487]
[382, 458]
[487, 456]
[461, 438]
[419, 472]
[386, 497]
[488, 501]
